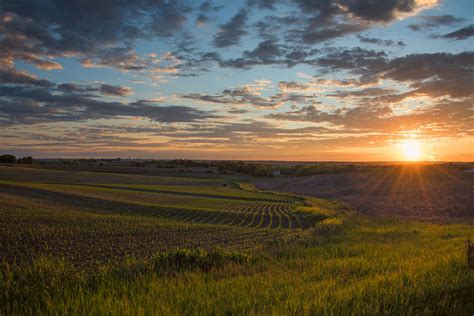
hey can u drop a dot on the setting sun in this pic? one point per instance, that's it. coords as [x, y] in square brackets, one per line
[412, 150]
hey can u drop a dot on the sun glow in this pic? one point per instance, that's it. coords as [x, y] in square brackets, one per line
[412, 150]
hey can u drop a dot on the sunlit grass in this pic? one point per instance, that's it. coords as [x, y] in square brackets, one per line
[343, 264]
[367, 268]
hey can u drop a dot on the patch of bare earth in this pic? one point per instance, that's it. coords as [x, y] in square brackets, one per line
[428, 193]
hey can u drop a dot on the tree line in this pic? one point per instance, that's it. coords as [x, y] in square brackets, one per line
[12, 159]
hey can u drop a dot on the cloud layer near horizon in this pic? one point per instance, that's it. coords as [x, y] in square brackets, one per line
[325, 76]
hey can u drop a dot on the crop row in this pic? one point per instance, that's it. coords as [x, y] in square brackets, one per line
[203, 191]
[138, 197]
[235, 213]
[263, 215]
[32, 226]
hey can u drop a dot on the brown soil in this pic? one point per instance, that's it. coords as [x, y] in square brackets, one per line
[430, 193]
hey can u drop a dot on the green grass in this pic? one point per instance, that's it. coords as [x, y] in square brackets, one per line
[62, 257]
[367, 268]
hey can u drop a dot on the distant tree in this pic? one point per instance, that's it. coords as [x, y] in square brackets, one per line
[7, 159]
[25, 160]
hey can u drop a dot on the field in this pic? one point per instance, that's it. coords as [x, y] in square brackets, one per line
[435, 193]
[74, 242]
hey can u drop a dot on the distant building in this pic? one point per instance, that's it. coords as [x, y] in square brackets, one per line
[276, 173]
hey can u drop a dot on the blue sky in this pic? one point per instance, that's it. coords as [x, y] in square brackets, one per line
[256, 79]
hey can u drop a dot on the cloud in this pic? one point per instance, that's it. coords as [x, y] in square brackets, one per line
[205, 9]
[103, 34]
[321, 34]
[99, 33]
[231, 32]
[461, 34]
[293, 86]
[83, 89]
[364, 62]
[265, 51]
[320, 21]
[237, 111]
[377, 41]
[245, 136]
[434, 21]
[270, 52]
[445, 118]
[251, 95]
[201, 19]
[168, 18]
[115, 90]
[12, 76]
[316, 84]
[31, 105]
[434, 74]
[384, 11]
[302, 24]
[368, 92]
[237, 96]
[75, 88]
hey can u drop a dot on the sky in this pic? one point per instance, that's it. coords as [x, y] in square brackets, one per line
[307, 80]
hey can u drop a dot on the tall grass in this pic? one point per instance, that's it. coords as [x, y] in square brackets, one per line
[366, 268]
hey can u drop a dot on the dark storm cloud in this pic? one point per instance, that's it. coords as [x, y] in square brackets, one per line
[434, 21]
[30, 105]
[461, 34]
[231, 32]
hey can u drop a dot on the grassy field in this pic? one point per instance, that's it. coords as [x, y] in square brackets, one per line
[91, 245]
